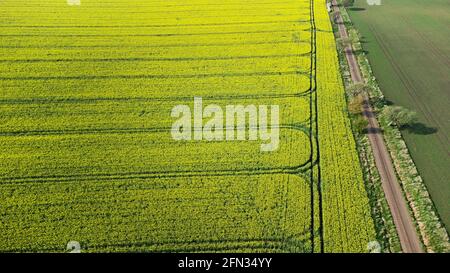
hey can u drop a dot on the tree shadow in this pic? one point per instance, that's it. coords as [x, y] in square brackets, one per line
[372, 130]
[359, 51]
[363, 40]
[357, 9]
[419, 128]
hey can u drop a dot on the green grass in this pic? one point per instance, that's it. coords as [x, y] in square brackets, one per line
[408, 46]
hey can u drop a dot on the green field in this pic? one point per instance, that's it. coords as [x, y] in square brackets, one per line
[408, 46]
[85, 143]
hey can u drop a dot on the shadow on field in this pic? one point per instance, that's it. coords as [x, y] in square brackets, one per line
[363, 40]
[357, 9]
[359, 51]
[420, 129]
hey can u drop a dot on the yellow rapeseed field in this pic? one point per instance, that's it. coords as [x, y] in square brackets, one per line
[86, 152]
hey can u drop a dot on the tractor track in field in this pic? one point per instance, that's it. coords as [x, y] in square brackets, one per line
[205, 16]
[118, 6]
[294, 170]
[155, 35]
[406, 230]
[195, 245]
[184, 59]
[185, 10]
[314, 128]
[121, 46]
[74, 100]
[299, 127]
[155, 76]
[158, 26]
[434, 50]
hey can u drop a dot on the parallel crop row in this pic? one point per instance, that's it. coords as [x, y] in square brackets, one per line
[86, 94]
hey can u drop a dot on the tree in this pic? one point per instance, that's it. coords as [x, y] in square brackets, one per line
[358, 89]
[355, 104]
[348, 3]
[355, 109]
[399, 116]
[360, 124]
[378, 102]
[343, 42]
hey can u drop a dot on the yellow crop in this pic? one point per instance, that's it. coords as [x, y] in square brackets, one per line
[86, 94]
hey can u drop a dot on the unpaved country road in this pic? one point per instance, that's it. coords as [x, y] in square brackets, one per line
[405, 228]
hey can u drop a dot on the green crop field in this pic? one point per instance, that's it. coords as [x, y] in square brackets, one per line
[408, 45]
[86, 94]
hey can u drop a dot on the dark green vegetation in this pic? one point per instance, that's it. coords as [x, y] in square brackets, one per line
[408, 45]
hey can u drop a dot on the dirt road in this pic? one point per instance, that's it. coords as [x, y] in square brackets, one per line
[405, 228]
